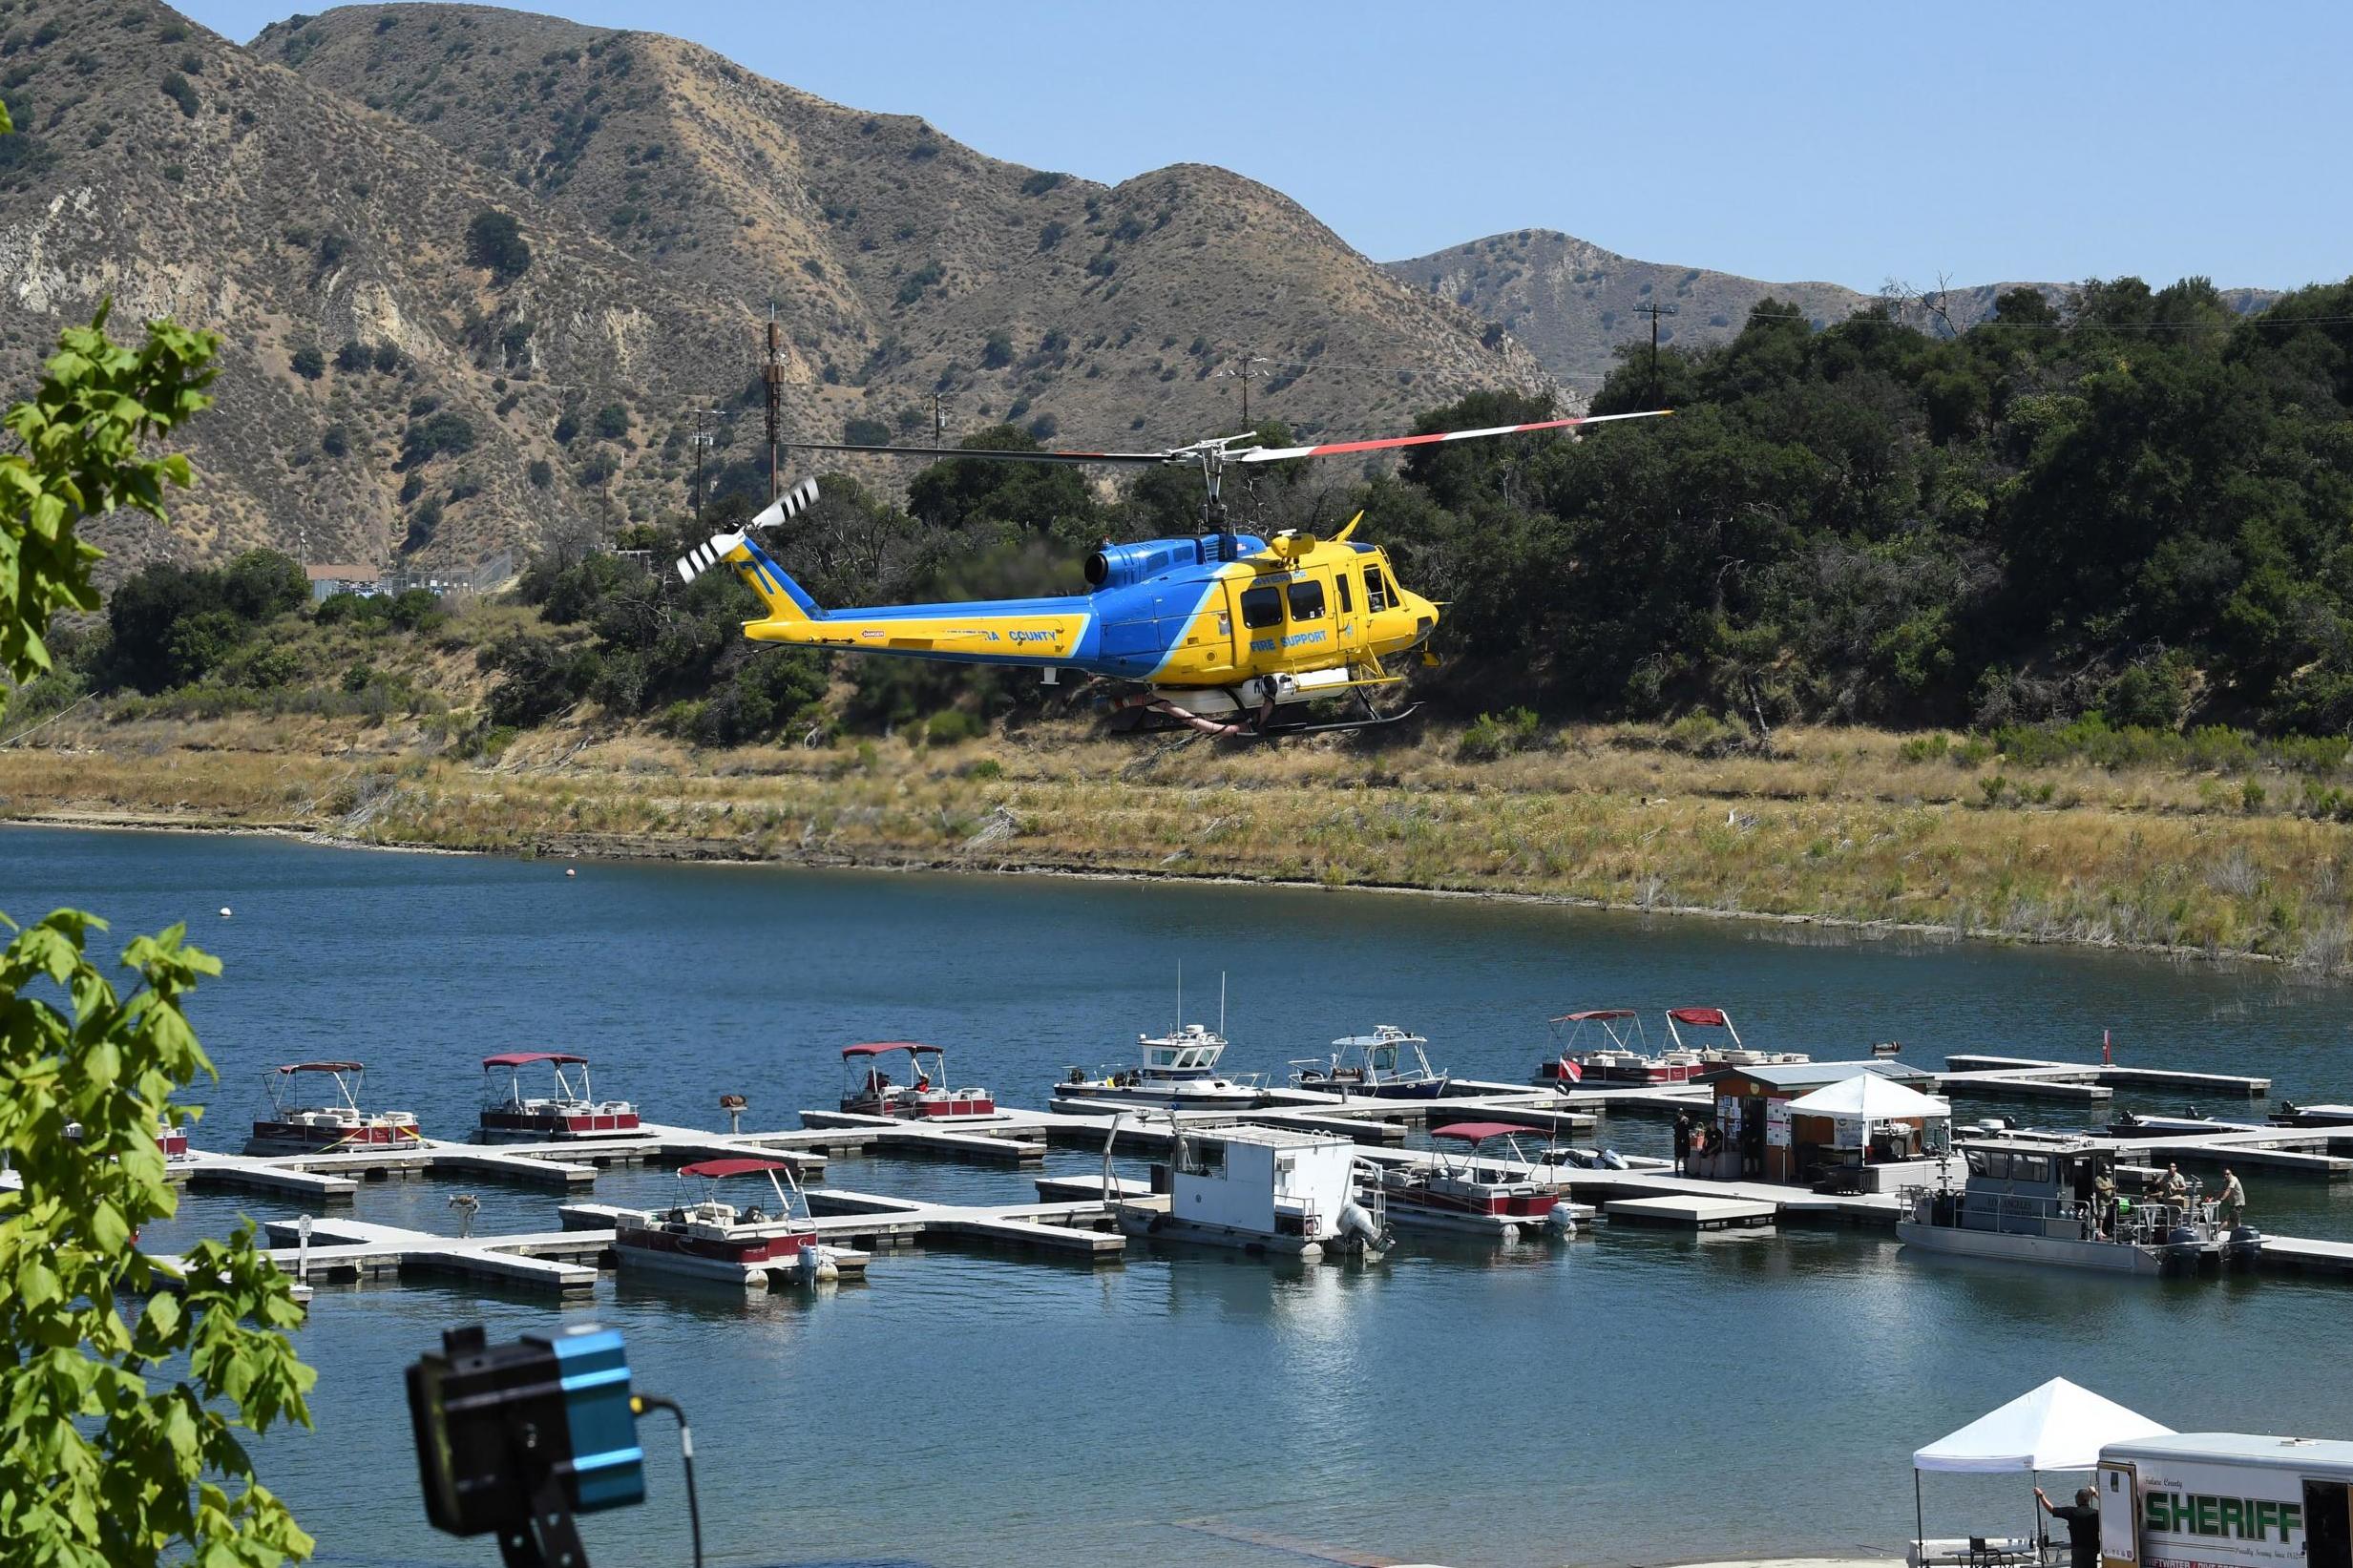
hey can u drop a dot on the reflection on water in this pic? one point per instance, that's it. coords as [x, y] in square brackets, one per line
[1627, 1396]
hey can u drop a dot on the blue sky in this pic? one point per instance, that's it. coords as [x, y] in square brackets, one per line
[1847, 142]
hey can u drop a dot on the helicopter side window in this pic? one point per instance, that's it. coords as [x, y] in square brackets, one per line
[1262, 608]
[1348, 603]
[1376, 589]
[1307, 600]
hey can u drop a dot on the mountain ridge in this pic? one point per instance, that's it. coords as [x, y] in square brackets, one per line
[1573, 303]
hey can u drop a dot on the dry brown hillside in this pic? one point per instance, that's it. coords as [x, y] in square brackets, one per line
[904, 263]
[1572, 303]
[163, 166]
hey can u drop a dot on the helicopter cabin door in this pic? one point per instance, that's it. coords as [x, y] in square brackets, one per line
[1257, 624]
[1311, 638]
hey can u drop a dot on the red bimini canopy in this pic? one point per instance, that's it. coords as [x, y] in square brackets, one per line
[1475, 1132]
[883, 1048]
[320, 1067]
[524, 1058]
[1707, 1018]
[1595, 1016]
[732, 1167]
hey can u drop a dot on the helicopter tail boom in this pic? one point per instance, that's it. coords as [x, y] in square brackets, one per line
[787, 600]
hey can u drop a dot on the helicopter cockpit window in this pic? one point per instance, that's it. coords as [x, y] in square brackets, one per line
[1262, 607]
[1307, 600]
[1376, 589]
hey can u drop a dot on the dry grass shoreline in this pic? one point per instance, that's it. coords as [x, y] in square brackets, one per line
[1835, 829]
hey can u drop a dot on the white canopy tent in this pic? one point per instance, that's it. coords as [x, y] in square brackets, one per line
[2059, 1426]
[1869, 1095]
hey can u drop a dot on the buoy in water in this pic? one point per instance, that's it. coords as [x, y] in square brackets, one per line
[569, 871]
[224, 912]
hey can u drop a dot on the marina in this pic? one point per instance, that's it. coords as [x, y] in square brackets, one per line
[992, 1257]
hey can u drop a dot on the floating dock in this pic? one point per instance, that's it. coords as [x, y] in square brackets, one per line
[1692, 1213]
[2111, 1075]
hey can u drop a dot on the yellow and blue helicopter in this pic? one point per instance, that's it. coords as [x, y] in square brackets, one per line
[1220, 633]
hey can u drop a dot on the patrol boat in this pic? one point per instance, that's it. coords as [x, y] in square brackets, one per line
[2037, 1202]
[1179, 1072]
[1368, 1065]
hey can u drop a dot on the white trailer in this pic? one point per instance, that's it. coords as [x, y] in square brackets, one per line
[2226, 1499]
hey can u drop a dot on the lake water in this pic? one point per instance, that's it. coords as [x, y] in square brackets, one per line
[1626, 1398]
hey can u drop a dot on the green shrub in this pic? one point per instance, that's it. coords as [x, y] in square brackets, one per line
[182, 92]
[951, 727]
[1491, 736]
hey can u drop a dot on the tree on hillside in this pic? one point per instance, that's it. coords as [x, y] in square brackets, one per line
[106, 1461]
[494, 241]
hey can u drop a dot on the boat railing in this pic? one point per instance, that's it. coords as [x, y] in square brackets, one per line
[2144, 1222]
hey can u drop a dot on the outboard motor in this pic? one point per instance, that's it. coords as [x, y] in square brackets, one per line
[1612, 1160]
[1356, 1221]
[2243, 1247]
[2182, 1246]
[1562, 1218]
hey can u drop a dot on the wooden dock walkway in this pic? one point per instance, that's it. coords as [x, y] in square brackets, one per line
[1082, 1228]
[2112, 1074]
[352, 1250]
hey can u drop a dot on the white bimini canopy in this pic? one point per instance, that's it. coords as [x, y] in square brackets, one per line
[1869, 1095]
[2058, 1426]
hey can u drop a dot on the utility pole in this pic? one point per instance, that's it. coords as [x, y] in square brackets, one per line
[703, 439]
[1654, 310]
[940, 424]
[1245, 376]
[773, 374]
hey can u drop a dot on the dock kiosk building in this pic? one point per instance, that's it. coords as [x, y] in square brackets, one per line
[1761, 1133]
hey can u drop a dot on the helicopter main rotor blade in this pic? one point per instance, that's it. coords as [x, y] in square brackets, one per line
[994, 455]
[1334, 448]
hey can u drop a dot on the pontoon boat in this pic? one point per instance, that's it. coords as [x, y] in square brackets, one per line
[1469, 1186]
[1260, 1190]
[2037, 1202]
[305, 1120]
[1714, 1059]
[572, 1111]
[1605, 1046]
[868, 1090]
[713, 1238]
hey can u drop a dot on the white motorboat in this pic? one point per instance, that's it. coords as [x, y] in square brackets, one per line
[1178, 1070]
[1372, 1065]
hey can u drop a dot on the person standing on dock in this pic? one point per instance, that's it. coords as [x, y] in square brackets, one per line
[2232, 1206]
[2082, 1526]
[1683, 1143]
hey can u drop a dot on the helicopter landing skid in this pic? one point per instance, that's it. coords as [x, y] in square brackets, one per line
[1161, 716]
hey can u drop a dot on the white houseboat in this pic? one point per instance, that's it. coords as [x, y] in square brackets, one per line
[1260, 1190]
